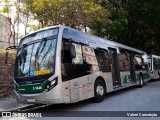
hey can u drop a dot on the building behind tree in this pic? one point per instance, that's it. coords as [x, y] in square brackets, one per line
[6, 38]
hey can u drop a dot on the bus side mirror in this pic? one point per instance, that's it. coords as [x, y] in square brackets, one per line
[6, 58]
[72, 51]
[9, 48]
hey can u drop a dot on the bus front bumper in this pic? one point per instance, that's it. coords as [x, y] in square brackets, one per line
[50, 97]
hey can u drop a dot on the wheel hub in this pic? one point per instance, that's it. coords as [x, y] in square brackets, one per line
[100, 90]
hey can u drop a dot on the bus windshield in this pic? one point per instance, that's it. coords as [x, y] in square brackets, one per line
[36, 58]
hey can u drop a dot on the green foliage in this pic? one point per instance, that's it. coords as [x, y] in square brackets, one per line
[74, 13]
[5, 9]
[133, 22]
[130, 22]
[33, 27]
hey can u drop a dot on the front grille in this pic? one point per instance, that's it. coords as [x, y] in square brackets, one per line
[30, 82]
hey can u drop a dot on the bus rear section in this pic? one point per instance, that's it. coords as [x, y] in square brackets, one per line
[154, 66]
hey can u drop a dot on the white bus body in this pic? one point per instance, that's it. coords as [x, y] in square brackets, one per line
[154, 66]
[45, 71]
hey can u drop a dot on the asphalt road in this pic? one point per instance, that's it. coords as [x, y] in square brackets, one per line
[129, 99]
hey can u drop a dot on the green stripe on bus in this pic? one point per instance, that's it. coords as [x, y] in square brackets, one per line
[137, 77]
[32, 88]
[145, 75]
[127, 78]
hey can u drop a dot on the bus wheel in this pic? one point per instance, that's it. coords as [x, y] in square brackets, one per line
[99, 91]
[141, 82]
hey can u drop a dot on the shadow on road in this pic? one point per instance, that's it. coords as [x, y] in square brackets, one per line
[154, 80]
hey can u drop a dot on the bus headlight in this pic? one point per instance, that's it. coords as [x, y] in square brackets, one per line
[51, 84]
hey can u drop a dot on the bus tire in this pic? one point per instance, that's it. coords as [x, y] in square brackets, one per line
[141, 82]
[99, 91]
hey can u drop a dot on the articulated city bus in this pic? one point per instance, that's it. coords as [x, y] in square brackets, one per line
[154, 66]
[63, 65]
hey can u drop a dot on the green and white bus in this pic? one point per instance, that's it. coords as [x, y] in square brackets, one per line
[154, 66]
[62, 65]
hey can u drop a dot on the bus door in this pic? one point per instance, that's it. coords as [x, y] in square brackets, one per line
[115, 67]
[132, 68]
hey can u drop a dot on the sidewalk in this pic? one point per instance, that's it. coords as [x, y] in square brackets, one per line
[7, 104]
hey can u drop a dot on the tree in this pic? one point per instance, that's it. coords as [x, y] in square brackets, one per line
[133, 22]
[74, 13]
[13, 20]
[24, 13]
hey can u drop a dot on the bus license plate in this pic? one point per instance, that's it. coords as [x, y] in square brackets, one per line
[30, 100]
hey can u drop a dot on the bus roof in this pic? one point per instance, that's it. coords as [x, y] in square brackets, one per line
[100, 42]
[155, 56]
[44, 29]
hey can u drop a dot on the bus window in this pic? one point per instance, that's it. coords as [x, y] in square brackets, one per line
[123, 59]
[66, 58]
[137, 62]
[90, 58]
[78, 59]
[156, 63]
[145, 65]
[103, 60]
[72, 67]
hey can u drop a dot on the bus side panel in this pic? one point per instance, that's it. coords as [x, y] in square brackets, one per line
[66, 92]
[56, 91]
[81, 88]
[125, 79]
[86, 87]
[146, 76]
[137, 73]
[155, 74]
[109, 82]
